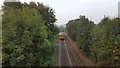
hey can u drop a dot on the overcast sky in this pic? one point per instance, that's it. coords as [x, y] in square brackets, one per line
[66, 10]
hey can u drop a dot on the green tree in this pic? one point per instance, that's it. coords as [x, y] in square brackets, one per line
[105, 42]
[97, 41]
[80, 31]
[25, 38]
[48, 15]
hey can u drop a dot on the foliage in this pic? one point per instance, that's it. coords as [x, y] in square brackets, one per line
[106, 41]
[98, 41]
[48, 15]
[81, 29]
[25, 37]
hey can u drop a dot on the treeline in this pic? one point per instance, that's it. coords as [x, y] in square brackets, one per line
[28, 34]
[100, 41]
[61, 29]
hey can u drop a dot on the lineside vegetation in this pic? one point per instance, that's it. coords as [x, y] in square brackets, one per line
[28, 32]
[100, 41]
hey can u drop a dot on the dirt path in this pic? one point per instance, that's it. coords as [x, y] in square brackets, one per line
[69, 55]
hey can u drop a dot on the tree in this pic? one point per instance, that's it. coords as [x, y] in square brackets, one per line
[25, 38]
[80, 31]
[97, 41]
[48, 15]
[105, 39]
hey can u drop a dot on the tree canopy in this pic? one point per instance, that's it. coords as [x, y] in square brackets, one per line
[26, 34]
[97, 41]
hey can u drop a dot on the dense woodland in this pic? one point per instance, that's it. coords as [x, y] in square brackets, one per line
[29, 34]
[100, 41]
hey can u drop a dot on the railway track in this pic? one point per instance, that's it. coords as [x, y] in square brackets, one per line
[69, 55]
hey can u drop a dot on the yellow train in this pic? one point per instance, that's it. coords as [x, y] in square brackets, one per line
[62, 37]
